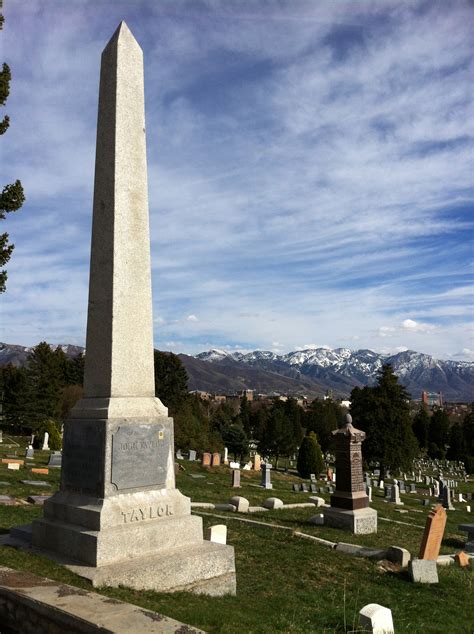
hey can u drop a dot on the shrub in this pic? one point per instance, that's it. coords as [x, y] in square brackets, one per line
[310, 457]
[50, 426]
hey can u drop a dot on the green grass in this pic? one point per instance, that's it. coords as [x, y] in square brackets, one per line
[286, 584]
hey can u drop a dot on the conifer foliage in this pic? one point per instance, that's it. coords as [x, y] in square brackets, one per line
[383, 413]
[310, 456]
[12, 196]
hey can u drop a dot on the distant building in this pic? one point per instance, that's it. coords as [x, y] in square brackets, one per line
[432, 399]
[247, 393]
[205, 396]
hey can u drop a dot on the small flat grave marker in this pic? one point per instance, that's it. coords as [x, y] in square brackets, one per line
[39, 500]
[6, 500]
[36, 483]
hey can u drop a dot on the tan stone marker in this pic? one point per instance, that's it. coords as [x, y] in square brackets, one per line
[257, 462]
[206, 460]
[12, 461]
[40, 470]
[216, 459]
[433, 535]
[118, 518]
[461, 559]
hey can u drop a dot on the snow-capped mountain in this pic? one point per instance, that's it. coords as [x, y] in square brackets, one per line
[18, 355]
[310, 371]
[342, 369]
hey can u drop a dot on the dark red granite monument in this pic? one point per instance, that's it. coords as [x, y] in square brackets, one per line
[350, 503]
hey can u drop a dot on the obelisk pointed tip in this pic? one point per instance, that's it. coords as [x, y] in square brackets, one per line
[122, 33]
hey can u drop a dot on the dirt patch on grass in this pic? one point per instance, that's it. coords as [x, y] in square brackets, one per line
[17, 579]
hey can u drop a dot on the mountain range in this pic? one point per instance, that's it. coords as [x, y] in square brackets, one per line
[310, 372]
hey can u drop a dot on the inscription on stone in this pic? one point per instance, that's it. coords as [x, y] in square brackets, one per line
[147, 513]
[81, 461]
[139, 456]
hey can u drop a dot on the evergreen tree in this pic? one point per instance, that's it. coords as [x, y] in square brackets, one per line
[293, 413]
[235, 440]
[457, 449]
[421, 426]
[245, 415]
[438, 435]
[74, 370]
[14, 389]
[323, 417]
[310, 456]
[382, 412]
[46, 381]
[275, 435]
[171, 380]
[468, 432]
[222, 417]
[12, 196]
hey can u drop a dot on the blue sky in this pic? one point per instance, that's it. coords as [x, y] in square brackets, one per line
[310, 171]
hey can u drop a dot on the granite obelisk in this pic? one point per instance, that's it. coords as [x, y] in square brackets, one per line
[118, 517]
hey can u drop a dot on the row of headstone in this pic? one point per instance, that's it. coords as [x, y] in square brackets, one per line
[211, 460]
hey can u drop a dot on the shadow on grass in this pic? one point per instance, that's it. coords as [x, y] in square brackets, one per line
[453, 542]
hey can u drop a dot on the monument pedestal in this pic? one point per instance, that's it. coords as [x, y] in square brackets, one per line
[118, 518]
[359, 521]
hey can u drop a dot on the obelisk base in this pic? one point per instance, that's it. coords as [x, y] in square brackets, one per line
[359, 522]
[202, 568]
[205, 568]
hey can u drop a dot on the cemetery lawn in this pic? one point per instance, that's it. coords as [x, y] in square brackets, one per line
[284, 583]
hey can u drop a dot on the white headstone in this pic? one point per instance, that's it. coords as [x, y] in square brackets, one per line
[45, 446]
[217, 534]
[376, 619]
[241, 504]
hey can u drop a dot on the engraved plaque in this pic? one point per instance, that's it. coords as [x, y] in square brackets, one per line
[139, 456]
[81, 460]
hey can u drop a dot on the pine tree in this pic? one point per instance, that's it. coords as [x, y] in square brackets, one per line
[12, 196]
[235, 440]
[382, 412]
[14, 389]
[310, 456]
[171, 380]
[46, 381]
[421, 427]
[323, 417]
[245, 415]
[438, 434]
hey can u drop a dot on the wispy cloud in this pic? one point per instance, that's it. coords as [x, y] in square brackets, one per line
[310, 171]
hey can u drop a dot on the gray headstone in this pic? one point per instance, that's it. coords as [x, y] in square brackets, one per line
[55, 460]
[235, 478]
[423, 571]
[266, 481]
